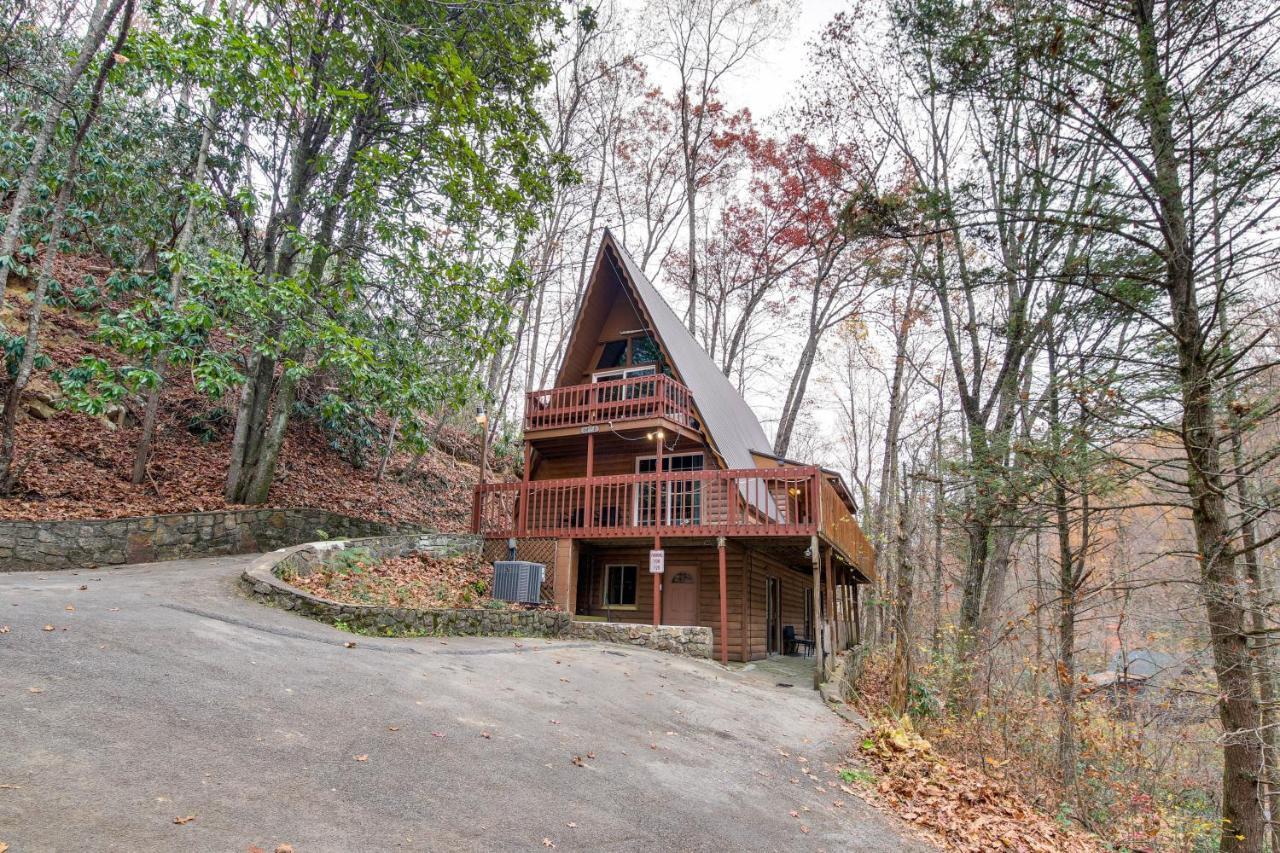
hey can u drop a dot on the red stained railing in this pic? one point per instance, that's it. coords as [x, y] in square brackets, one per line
[747, 502]
[841, 529]
[657, 396]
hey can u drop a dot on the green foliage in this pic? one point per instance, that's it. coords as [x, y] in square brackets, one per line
[856, 776]
[346, 425]
[350, 561]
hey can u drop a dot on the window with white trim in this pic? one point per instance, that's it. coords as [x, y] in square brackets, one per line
[682, 503]
[619, 585]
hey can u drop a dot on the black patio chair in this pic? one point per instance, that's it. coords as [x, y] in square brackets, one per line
[791, 644]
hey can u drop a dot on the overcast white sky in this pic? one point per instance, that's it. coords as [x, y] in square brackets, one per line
[764, 85]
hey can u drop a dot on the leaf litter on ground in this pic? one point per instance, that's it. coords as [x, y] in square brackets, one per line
[965, 810]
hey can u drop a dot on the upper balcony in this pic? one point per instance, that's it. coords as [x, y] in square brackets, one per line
[575, 408]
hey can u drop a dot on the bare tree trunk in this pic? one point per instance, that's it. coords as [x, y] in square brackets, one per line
[1067, 587]
[905, 571]
[691, 209]
[795, 395]
[386, 452]
[264, 471]
[1243, 825]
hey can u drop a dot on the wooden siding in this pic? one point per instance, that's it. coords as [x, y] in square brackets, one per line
[747, 569]
[795, 587]
[701, 558]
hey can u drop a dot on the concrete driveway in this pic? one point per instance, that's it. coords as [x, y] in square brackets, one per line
[166, 694]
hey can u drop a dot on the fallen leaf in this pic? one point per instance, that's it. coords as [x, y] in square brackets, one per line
[547, 842]
[577, 761]
[570, 824]
[591, 755]
[794, 813]
[48, 628]
[83, 586]
[284, 848]
[393, 728]
[70, 608]
[113, 610]
[485, 735]
[253, 848]
[35, 689]
[181, 821]
[360, 757]
[4, 629]
[348, 645]
[3, 847]
[805, 830]
[437, 734]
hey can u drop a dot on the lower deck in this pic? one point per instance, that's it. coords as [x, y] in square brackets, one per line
[768, 591]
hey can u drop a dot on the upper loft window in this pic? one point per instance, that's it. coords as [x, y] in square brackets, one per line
[628, 353]
[644, 350]
[613, 355]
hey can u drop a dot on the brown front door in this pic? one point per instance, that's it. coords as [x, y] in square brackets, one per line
[680, 597]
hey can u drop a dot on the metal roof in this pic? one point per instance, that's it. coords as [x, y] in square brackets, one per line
[731, 425]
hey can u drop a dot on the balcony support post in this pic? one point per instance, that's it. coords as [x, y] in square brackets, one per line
[522, 515]
[724, 603]
[833, 626]
[816, 555]
[588, 513]
[659, 487]
[857, 623]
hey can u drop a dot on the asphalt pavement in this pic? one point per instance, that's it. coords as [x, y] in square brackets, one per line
[166, 711]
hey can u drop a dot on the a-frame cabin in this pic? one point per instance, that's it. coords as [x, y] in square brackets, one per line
[644, 444]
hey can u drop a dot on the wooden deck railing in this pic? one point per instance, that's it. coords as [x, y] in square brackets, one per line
[747, 502]
[655, 396]
[840, 528]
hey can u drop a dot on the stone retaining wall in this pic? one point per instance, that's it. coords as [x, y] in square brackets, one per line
[691, 640]
[267, 579]
[75, 544]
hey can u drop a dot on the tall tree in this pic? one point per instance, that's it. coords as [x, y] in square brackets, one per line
[702, 42]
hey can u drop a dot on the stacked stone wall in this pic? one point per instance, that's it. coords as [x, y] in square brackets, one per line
[689, 640]
[268, 579]
[79, 544]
